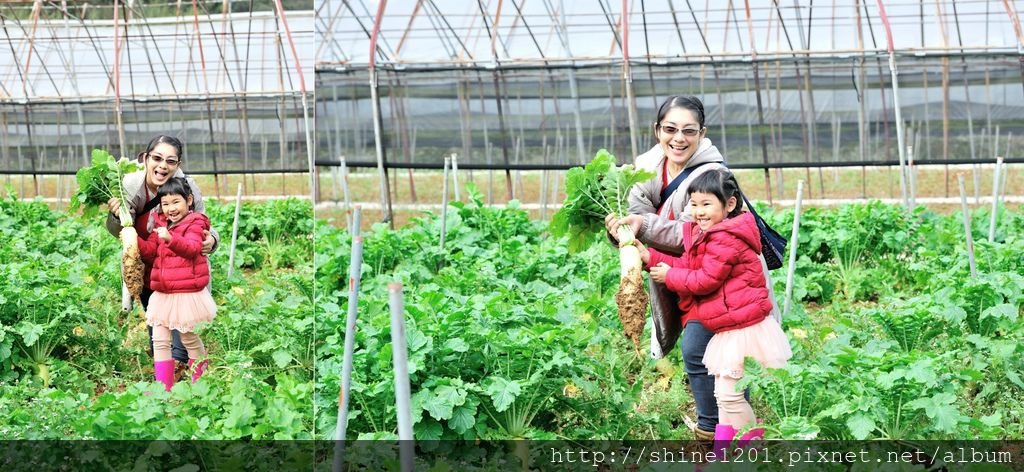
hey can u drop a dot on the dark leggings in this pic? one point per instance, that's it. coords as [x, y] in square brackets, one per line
[178, 351]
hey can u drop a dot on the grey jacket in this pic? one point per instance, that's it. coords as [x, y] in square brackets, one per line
[134, 186]
[666, 235]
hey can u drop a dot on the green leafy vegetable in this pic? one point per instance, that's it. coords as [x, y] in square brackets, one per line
[594, 191]
[100, 182]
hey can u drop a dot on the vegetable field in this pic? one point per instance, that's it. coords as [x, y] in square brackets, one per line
[72, 365]
[511, 336]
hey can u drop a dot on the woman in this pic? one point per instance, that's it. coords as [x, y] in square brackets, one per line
[658, 208]
[162, 160]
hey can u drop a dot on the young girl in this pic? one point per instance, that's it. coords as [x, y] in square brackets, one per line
[721, 284]
[179, 279]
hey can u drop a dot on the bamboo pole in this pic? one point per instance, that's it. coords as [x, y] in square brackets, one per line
[234, 231]
[444, 204]
[455, 175]
[793, 239]
[344, 189]
[967, 226]
[995, 199]
[977, 176]
[399, 356]
[355, 271]
[912, 174]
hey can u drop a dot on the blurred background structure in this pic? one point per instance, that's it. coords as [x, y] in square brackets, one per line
[220, 75]
[543, 84]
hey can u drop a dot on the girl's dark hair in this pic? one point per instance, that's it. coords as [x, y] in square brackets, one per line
[722, 184]
[163, 139]
[175, 186]
[687, 102]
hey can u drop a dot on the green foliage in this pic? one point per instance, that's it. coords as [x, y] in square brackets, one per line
[72, 366]
[100, 182]
[516, 337]
[593, 192]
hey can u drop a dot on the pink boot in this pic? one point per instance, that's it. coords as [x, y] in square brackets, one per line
[164, 373]
[755, 434]
[723, 437]
[200, 368]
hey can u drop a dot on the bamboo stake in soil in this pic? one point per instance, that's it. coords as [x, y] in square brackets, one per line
[234, 231]
[444, 203]
[399, 357]
[995, 199]
[793, 245]
[344, 393]
[967, 226]
[455, 175]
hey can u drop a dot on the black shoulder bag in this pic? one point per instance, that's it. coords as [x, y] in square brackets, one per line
[773, 245]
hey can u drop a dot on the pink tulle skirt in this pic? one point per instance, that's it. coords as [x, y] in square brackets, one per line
[180, 311]
[764, 341]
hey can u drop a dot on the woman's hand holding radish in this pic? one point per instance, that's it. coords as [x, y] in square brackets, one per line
[115, 204]
[613, 222]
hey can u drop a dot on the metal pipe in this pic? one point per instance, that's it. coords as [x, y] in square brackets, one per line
[760, 109]
[896, 103]
[627, 76]
[794, 236]
[385, 190]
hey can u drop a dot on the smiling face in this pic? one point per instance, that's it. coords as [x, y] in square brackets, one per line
[161, 164]
[708, 210]
[175, 207]
[679, 134]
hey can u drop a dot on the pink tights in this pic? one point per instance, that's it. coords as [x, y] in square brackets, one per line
[162, 344]
[733, 409]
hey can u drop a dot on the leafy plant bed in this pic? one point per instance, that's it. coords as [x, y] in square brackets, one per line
[510, 336]
[73, 366]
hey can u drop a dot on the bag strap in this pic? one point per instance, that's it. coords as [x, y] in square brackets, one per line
[750, 207]
[151, 204]
[672, 186]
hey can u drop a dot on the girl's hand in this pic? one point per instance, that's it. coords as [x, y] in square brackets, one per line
[658, 272]
[645, 255]
[163, 234]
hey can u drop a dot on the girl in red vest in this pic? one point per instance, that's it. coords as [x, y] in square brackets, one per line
[721, 284]
[180, 278]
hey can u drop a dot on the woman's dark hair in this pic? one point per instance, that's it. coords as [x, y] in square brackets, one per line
[163, 139]
[687, 102]
[175, 186]
[722, 184]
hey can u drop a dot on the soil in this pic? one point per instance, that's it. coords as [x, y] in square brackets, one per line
[131, 262]
[631, 300]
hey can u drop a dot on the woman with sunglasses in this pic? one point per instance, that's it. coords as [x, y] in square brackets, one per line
[658, 208]
[162, 160]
